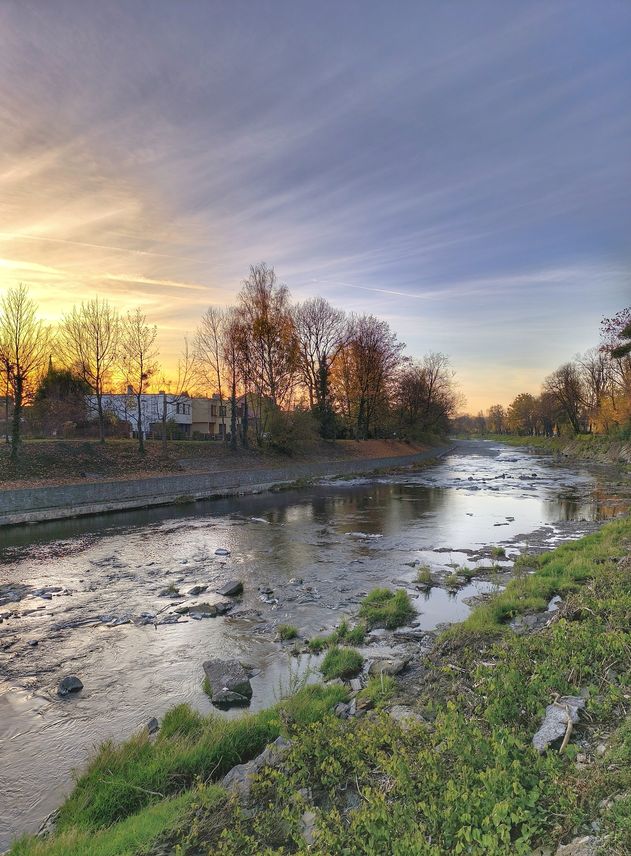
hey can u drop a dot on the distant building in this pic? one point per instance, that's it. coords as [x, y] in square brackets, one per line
[179, 410]
[211, 418]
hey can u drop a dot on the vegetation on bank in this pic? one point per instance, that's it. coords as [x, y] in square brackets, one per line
[464, 779]
[58, 461]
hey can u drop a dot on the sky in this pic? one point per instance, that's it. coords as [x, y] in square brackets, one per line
[460, 169]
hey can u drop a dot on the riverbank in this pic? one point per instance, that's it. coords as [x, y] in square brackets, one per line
[443, 763]
[596, 448]
[57, 501]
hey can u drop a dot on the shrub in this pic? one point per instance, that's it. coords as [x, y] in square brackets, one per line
[385, 608]
[452, 581]
[341, 663]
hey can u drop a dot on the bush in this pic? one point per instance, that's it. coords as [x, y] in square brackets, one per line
[341, 663]
[385, 608]
[291, 433]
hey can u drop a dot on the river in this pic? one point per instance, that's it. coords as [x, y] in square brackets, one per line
[306, 557]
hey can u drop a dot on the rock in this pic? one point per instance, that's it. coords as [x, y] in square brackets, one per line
[33, 643]
[229, 682]
[307, 827]
[239, 779]
[585, 845]
[356, 684]
[153, 725]
[390, 666]
[402, 714]
[342, 710]
[555, 721]
[203, 610]
[409, 634]
[231, 588]
[222, 551]
[69, 684]
[197, 590]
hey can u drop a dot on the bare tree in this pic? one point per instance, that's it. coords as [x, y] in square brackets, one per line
[594, 368]
[138, 361]
[264, 307]
[322, 331]
[232, 334]
[208, 349]
[25, 352]
[566, 386]
[5, 384]
[369, 364]
[426, 395]
[89, 339]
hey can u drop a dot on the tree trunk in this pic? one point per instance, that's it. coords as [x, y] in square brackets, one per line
[233, 415]
[99, 406]
[17, 415]
[141, 441]
[164, 425]
[245, 423]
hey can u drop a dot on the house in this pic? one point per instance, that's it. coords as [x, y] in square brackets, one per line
[124, 406]
[211, 418]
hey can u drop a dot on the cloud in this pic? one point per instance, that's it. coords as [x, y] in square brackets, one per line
[466, 176]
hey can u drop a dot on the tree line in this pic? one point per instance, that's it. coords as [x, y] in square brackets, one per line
[283, 367]
[589, 394]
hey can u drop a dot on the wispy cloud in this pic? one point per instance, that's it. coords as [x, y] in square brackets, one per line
[453, 175]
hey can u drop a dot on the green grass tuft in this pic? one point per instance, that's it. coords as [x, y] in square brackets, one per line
[385, 608]
[287, 631]
[341, 663]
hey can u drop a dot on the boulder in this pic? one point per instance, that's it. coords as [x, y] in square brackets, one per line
[231, 589]
[391, 666]
[229, 682]
[153, 725]
[585, 845]
[239, 779]
[197, 590]
[221, 551]
[69, 684]
[555, 721]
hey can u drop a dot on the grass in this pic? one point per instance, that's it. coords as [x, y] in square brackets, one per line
[136, 832]
[344, 634]
[453, 581]
[424, 576]
[498, 552]
[379, 690]
[287, 631]
[341, 663]
[385, 608]
[556, 573]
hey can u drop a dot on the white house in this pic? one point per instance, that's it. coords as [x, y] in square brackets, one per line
[125, 407]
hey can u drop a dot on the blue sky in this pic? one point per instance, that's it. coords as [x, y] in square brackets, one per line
[462, 169]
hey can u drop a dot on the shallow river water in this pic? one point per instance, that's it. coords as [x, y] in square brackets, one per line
[306, 557]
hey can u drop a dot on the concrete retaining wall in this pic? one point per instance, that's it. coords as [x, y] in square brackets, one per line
[27, 505]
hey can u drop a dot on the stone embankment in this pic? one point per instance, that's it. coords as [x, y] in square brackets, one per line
[55, 502]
